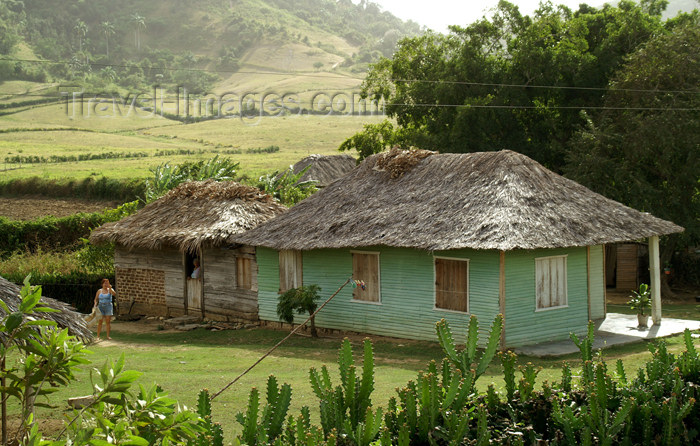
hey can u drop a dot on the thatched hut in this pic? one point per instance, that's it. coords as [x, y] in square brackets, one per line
[156, 250]
[447, 235]
[65, 317]
[324, 169]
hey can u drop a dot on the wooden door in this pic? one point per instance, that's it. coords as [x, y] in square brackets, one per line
[194, 295]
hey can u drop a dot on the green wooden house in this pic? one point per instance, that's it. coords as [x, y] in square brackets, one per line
[448, 235]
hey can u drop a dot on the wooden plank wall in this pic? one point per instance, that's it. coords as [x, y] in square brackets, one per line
[223, 299]
[627, 267]
[524, 324]
[596, 283]
[407, 288]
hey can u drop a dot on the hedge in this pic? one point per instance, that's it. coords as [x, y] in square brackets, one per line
[76, 288]
[90, 188]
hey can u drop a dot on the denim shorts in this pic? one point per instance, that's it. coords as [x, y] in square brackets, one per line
[106, 309]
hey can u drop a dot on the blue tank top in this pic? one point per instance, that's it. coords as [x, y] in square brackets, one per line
[105, 298]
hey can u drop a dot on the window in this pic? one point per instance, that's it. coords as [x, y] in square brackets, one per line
[244, 278]
[290, 270]
[550, 276]
[452, 284]
[365, 267]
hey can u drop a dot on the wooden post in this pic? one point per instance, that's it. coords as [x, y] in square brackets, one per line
[605, 282]
[201, 278]
[588, 278]
[184, 282]
[655, 273]
[502, 296]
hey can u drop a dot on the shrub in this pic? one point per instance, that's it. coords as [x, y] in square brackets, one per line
[90, 188]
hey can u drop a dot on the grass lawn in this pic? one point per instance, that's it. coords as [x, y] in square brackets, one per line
[185, 362]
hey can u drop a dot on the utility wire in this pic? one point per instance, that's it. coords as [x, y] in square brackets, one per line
[331, 75]
[280, 342]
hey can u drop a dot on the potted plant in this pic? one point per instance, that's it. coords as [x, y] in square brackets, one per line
[641, 301]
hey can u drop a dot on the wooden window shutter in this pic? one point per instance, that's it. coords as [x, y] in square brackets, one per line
[290, 270]
[365, 267]
[452, 284]
[244, 277]
[550, 285]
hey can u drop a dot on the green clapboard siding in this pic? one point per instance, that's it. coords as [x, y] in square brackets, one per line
[526, 326]
[597, 283]
[407, 291]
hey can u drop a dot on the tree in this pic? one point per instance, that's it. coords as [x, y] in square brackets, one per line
[509, 81]
[644, 149]
[81, 30]
[108, 30]
[140, 22]
[300, 300]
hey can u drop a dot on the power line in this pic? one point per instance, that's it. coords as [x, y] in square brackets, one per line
[331, 75]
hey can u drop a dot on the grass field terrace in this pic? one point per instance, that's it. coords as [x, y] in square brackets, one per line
[44, 131]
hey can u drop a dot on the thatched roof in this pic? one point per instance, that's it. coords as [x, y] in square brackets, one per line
[66, 317]
[195, 214]
[325, 168]
[489, 200]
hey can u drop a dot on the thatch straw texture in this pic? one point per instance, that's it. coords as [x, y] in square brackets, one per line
[325, 168]
[66, 317]
[195, 214]
[489, 200]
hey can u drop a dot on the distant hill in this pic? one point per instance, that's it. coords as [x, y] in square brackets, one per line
[129, 42]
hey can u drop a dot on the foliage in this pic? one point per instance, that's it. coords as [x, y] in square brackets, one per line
[303, 299]
[465, 359]
[373, 138]
[442, 407]
[167, 177]
[264, 428]
[346, 408]
[640, 300]
[102, 188]
[51, 233]
[643, 149]
[48, 359]
[287, 187]
[509, 81]
[212, 434]
[148, 46]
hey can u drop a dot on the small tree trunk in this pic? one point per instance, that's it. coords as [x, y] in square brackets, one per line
[314, 333]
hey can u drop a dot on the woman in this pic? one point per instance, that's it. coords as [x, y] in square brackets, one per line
[103, 300]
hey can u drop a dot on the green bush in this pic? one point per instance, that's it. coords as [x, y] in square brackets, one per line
[53, 233]
[75, 288]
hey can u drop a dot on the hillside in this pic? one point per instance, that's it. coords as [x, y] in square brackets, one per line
[198, 44]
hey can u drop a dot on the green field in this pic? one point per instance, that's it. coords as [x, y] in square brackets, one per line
[43, 131]
[184, 363]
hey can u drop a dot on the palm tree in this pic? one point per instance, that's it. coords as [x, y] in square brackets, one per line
[107, 30]
[81, 30]
[140, 22]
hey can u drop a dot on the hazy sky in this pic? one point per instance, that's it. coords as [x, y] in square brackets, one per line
[438, 14]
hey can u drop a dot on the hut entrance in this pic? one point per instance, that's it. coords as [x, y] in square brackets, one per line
[193, 284]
